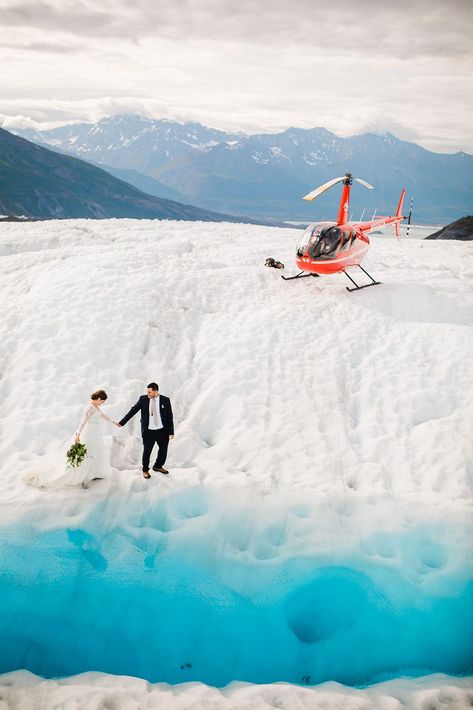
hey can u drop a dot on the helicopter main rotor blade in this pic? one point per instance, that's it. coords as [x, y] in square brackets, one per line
[319, 190]
[366, 184]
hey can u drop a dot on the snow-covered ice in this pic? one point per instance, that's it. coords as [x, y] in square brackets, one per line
[94, 691]
[316, 431]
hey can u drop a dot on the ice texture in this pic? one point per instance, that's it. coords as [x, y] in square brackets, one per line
[316, 523]
[199, 587]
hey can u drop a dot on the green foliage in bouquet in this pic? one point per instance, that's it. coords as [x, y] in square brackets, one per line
[76, 455]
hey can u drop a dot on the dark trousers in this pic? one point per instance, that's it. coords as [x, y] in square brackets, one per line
[150, 438]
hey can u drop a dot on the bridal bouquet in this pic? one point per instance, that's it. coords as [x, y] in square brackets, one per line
[76, 455]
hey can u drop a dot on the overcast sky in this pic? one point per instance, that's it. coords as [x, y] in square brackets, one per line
[351, 66]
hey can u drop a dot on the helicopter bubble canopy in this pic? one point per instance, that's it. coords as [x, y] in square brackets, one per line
[323, 241]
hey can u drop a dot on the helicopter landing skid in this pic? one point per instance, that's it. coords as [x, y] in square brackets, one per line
[358, 288]
[300, 275]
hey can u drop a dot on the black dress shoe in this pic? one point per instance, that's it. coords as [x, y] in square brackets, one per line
[160, 469]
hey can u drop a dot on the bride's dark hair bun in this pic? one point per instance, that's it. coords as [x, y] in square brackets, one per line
[100, 394]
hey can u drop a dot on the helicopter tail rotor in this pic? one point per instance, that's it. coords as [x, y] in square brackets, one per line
[409, 218]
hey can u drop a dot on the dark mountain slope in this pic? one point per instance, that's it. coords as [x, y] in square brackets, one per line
[40, 183]
[460, 229]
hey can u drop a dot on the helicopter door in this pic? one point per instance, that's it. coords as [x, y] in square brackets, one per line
[346, 240]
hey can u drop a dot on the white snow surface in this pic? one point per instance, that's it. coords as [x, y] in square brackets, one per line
[284, 393]
[97, 691]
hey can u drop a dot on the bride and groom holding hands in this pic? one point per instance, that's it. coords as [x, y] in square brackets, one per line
[157, 427]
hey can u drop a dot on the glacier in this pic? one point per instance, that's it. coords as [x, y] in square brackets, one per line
[198, 587]
[312, 545]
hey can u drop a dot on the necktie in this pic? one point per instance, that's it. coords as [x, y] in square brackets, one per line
[153, 411]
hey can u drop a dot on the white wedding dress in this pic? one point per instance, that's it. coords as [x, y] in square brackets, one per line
[94, 465]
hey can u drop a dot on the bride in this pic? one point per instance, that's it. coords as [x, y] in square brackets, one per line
[95, 464]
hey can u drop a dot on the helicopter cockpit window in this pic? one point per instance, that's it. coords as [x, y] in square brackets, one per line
[326, 243]
[304, 240]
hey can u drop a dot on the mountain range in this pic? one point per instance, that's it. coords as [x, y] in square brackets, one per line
[40, 183]
[266, 175]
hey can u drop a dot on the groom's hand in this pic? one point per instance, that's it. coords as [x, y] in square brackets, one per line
[171, 436]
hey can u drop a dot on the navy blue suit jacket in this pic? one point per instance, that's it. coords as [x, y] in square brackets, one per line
[142, 405]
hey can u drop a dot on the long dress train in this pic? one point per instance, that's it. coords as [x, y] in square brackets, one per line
[95, 463]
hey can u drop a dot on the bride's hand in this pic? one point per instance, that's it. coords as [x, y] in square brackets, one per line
[77, 440]
[117, 424]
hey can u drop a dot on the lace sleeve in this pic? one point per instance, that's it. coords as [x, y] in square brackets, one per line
[104, 416]
[85, 418]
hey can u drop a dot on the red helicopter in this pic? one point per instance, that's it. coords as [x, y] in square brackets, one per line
[331, 247]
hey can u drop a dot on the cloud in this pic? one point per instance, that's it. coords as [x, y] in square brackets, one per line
[434, 133]
[77, 18]
[44, 113]
[404, 66]
[47, 47]
[401, 28]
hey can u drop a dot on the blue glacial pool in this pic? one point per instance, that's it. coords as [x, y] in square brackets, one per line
[172, 593]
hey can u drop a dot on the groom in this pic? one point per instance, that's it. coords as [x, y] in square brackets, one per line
[157, 426]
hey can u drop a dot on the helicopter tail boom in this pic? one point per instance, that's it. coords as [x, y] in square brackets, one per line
[381, 221]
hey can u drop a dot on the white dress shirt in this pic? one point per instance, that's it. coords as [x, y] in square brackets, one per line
[154, 424]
